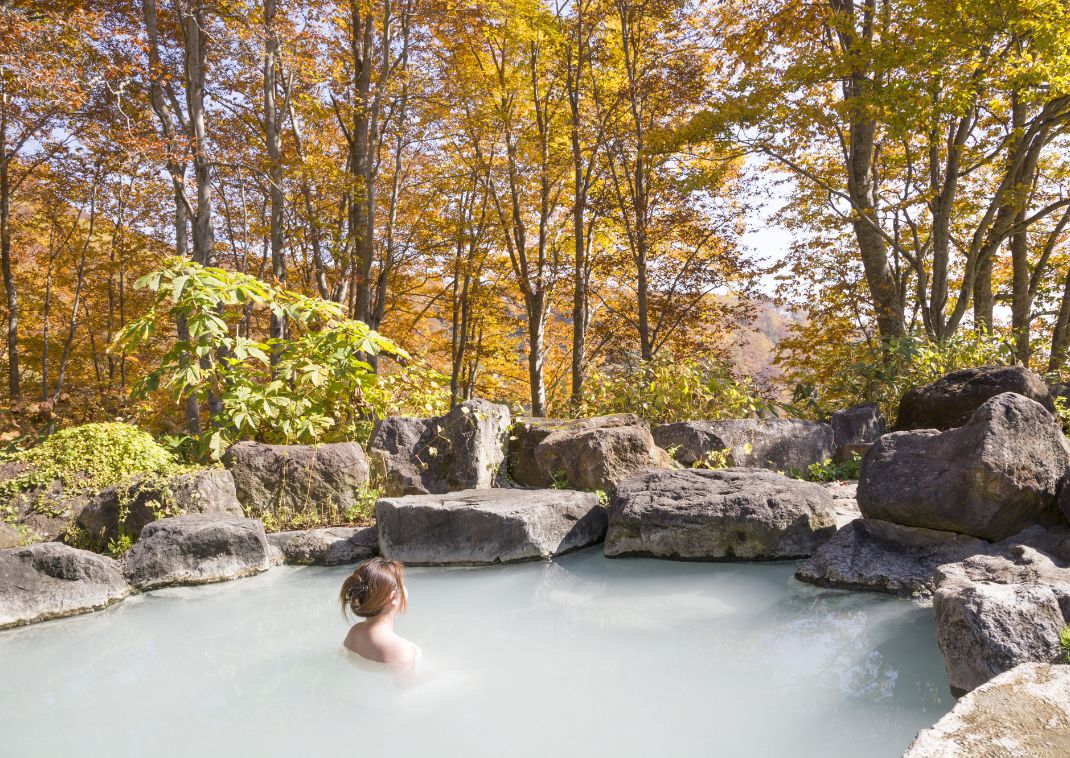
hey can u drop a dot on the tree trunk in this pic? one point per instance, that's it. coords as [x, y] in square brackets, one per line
[983, 299]
[273, 137]
[5, 250]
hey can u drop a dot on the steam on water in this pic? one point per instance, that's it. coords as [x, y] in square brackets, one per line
[583, 656]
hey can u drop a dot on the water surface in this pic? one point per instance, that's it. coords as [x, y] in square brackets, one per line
[583, 656]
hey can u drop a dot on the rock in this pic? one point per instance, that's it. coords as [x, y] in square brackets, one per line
[46, 510]
[52, 580]
[289, 479]
[333, 546]
[463, 449]
[994, 612]
[726, 514]
[853, 451]
[991, 478]
[1022, 713]
[477, 527]
[859, 424]
[597, 453]
[844, 501]
[878, 556]
[776, 444]
[528, 432]
[9, 536]
[196, 549]
[949, 402]
[127, 508]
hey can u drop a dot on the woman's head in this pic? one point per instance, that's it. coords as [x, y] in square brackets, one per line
[375, 588]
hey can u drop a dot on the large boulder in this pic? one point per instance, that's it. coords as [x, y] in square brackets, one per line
[127, 508]
[463, 449]
[52, 580]
[196, 549]
[949, 402]
[777, 444]
[476, 527]
[994, 612]
[46, 507]
[990, 478]
[878, 556]
[726, 514]
[597, 453]
[857, 425]
[333, 546]
[528, 469]
[291, 479]
[1022, 713]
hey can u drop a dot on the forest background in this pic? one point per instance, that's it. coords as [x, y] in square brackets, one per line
[226, 219]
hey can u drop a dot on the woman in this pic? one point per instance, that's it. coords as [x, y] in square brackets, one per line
[376, 592]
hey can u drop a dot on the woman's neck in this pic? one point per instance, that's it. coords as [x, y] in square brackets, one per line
[386, 621]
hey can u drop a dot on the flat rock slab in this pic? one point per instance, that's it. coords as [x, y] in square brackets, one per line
[478, 527]
[1023, 713]
[879, 556]
[332, 546]
[727, 514]
[52, 580]
[196, 549]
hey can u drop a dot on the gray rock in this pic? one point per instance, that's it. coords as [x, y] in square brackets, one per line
[528, 432]
[776, 444]
[949, 402]
[127, 508]
[727, 514]
[1022, 713]
[333, 546]
[463, 449]
[597, 453]
[994, 612]
[290, 479]
[991, 478]
[52, 580]
[196, 549]
[878, 556]
[852, 451]
[859, 424]
[45, 510]
[477, 527]
[844, 501]
[9, 535]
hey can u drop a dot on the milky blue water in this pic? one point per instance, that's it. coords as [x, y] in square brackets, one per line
[583, 656]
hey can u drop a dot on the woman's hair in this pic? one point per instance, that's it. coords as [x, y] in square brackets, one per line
[366, 592]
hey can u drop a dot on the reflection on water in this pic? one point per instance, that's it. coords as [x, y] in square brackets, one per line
[580, 656]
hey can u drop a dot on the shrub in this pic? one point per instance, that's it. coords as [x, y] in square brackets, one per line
[668, 389]
[316, 386]
[91, 457]
[828, 375]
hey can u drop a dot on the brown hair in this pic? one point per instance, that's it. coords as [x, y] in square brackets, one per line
[366, 592]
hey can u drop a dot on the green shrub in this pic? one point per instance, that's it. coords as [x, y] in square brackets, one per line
[827, 376]
[91, 457]
[828, 471]
[1064, 642]
[315, 386]
[668, 389]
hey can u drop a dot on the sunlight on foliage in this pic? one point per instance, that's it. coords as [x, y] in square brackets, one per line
[667, 390]
[319, 385]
